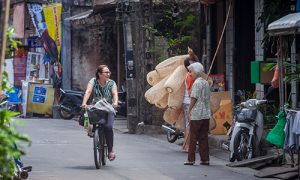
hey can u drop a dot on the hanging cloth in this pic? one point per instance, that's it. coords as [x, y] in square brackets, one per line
[276, 136]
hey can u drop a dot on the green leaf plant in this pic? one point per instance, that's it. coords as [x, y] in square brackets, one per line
[10, 138]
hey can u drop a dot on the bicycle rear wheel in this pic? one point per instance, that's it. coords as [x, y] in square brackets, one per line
[98, 147]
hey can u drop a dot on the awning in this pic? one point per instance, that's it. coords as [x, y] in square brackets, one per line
[87, 17]
[80, 16]
[289, 24]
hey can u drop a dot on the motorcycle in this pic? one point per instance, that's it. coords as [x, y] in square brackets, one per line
[172, 133]
[122, 105]
[247, 131]
[69, 103]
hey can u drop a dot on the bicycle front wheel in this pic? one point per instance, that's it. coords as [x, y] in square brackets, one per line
[98, 147]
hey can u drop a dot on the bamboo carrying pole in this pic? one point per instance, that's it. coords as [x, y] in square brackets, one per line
[4, 21]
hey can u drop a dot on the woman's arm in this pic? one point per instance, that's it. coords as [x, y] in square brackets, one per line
[87, 94]
[192, 104]
[115, 97]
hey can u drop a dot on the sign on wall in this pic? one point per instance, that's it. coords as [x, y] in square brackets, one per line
[39, 95]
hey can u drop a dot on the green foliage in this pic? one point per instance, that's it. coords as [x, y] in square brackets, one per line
[12, 44]
[9, 136]
[175, 29]
[272, 10]
[292, 71]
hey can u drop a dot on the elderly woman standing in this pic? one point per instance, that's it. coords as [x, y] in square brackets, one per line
[200, 113]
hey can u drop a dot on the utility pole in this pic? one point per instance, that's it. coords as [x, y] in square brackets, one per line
[125, 7]
[66, 45]
[4, 8]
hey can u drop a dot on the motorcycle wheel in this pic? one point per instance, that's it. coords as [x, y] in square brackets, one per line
[241, 141]
[171, 137]
[64, 114]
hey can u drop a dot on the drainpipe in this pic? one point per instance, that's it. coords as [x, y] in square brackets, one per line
[66, 50]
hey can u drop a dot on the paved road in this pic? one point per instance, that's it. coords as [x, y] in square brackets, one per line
[61, 150]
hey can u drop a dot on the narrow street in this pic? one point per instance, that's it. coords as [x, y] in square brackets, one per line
[61, 150]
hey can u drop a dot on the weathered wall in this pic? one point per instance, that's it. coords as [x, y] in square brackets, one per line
[93, 45]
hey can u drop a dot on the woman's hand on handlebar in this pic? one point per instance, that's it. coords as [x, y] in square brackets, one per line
[84, 106]
[115, 105]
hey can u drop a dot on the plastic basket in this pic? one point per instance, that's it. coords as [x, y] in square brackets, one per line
[97, 116]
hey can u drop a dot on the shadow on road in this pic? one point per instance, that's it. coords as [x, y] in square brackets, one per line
[82, 167]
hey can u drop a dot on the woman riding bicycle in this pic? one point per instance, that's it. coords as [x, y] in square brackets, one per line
[103, 87]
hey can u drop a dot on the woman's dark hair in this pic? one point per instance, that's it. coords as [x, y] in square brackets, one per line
[100, 70]
[186, 63]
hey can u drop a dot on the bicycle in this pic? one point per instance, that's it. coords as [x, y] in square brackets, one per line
[98, 119]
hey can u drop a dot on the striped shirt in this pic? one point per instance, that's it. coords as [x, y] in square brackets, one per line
[104, 91]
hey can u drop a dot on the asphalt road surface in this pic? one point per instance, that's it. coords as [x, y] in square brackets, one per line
[61, 150]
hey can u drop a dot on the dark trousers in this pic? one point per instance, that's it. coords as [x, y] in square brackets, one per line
[109, 133]
[199, 133]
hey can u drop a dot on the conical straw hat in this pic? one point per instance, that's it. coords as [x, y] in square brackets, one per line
[176, 98]
[157, 92]
[153, 78]
[162, 103]
[176, 79]
[171, 115]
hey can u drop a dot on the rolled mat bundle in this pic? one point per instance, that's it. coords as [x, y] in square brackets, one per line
[176, 79]
[163, 102]
[176, 98]
[157, 92]
[169, 65]
[171, 115]
[180, 121]
[153, 78]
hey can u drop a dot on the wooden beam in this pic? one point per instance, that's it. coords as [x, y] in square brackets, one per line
[3, 21]
[273, 171]
[254, 160]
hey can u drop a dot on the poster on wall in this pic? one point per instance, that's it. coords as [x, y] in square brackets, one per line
[34, 42]
[20, 65]
[36, 67]
[218, 82]
[39, 22]
[39, 94]
[52, 14]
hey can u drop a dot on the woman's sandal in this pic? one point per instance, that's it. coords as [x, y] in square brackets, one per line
[111, 156]
[189, 163]
[205, 163]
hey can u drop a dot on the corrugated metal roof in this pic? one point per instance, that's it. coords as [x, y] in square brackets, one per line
[288, 24]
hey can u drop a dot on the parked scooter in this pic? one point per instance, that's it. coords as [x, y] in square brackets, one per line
[69, 103]
[247, 131]
[172, 133]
